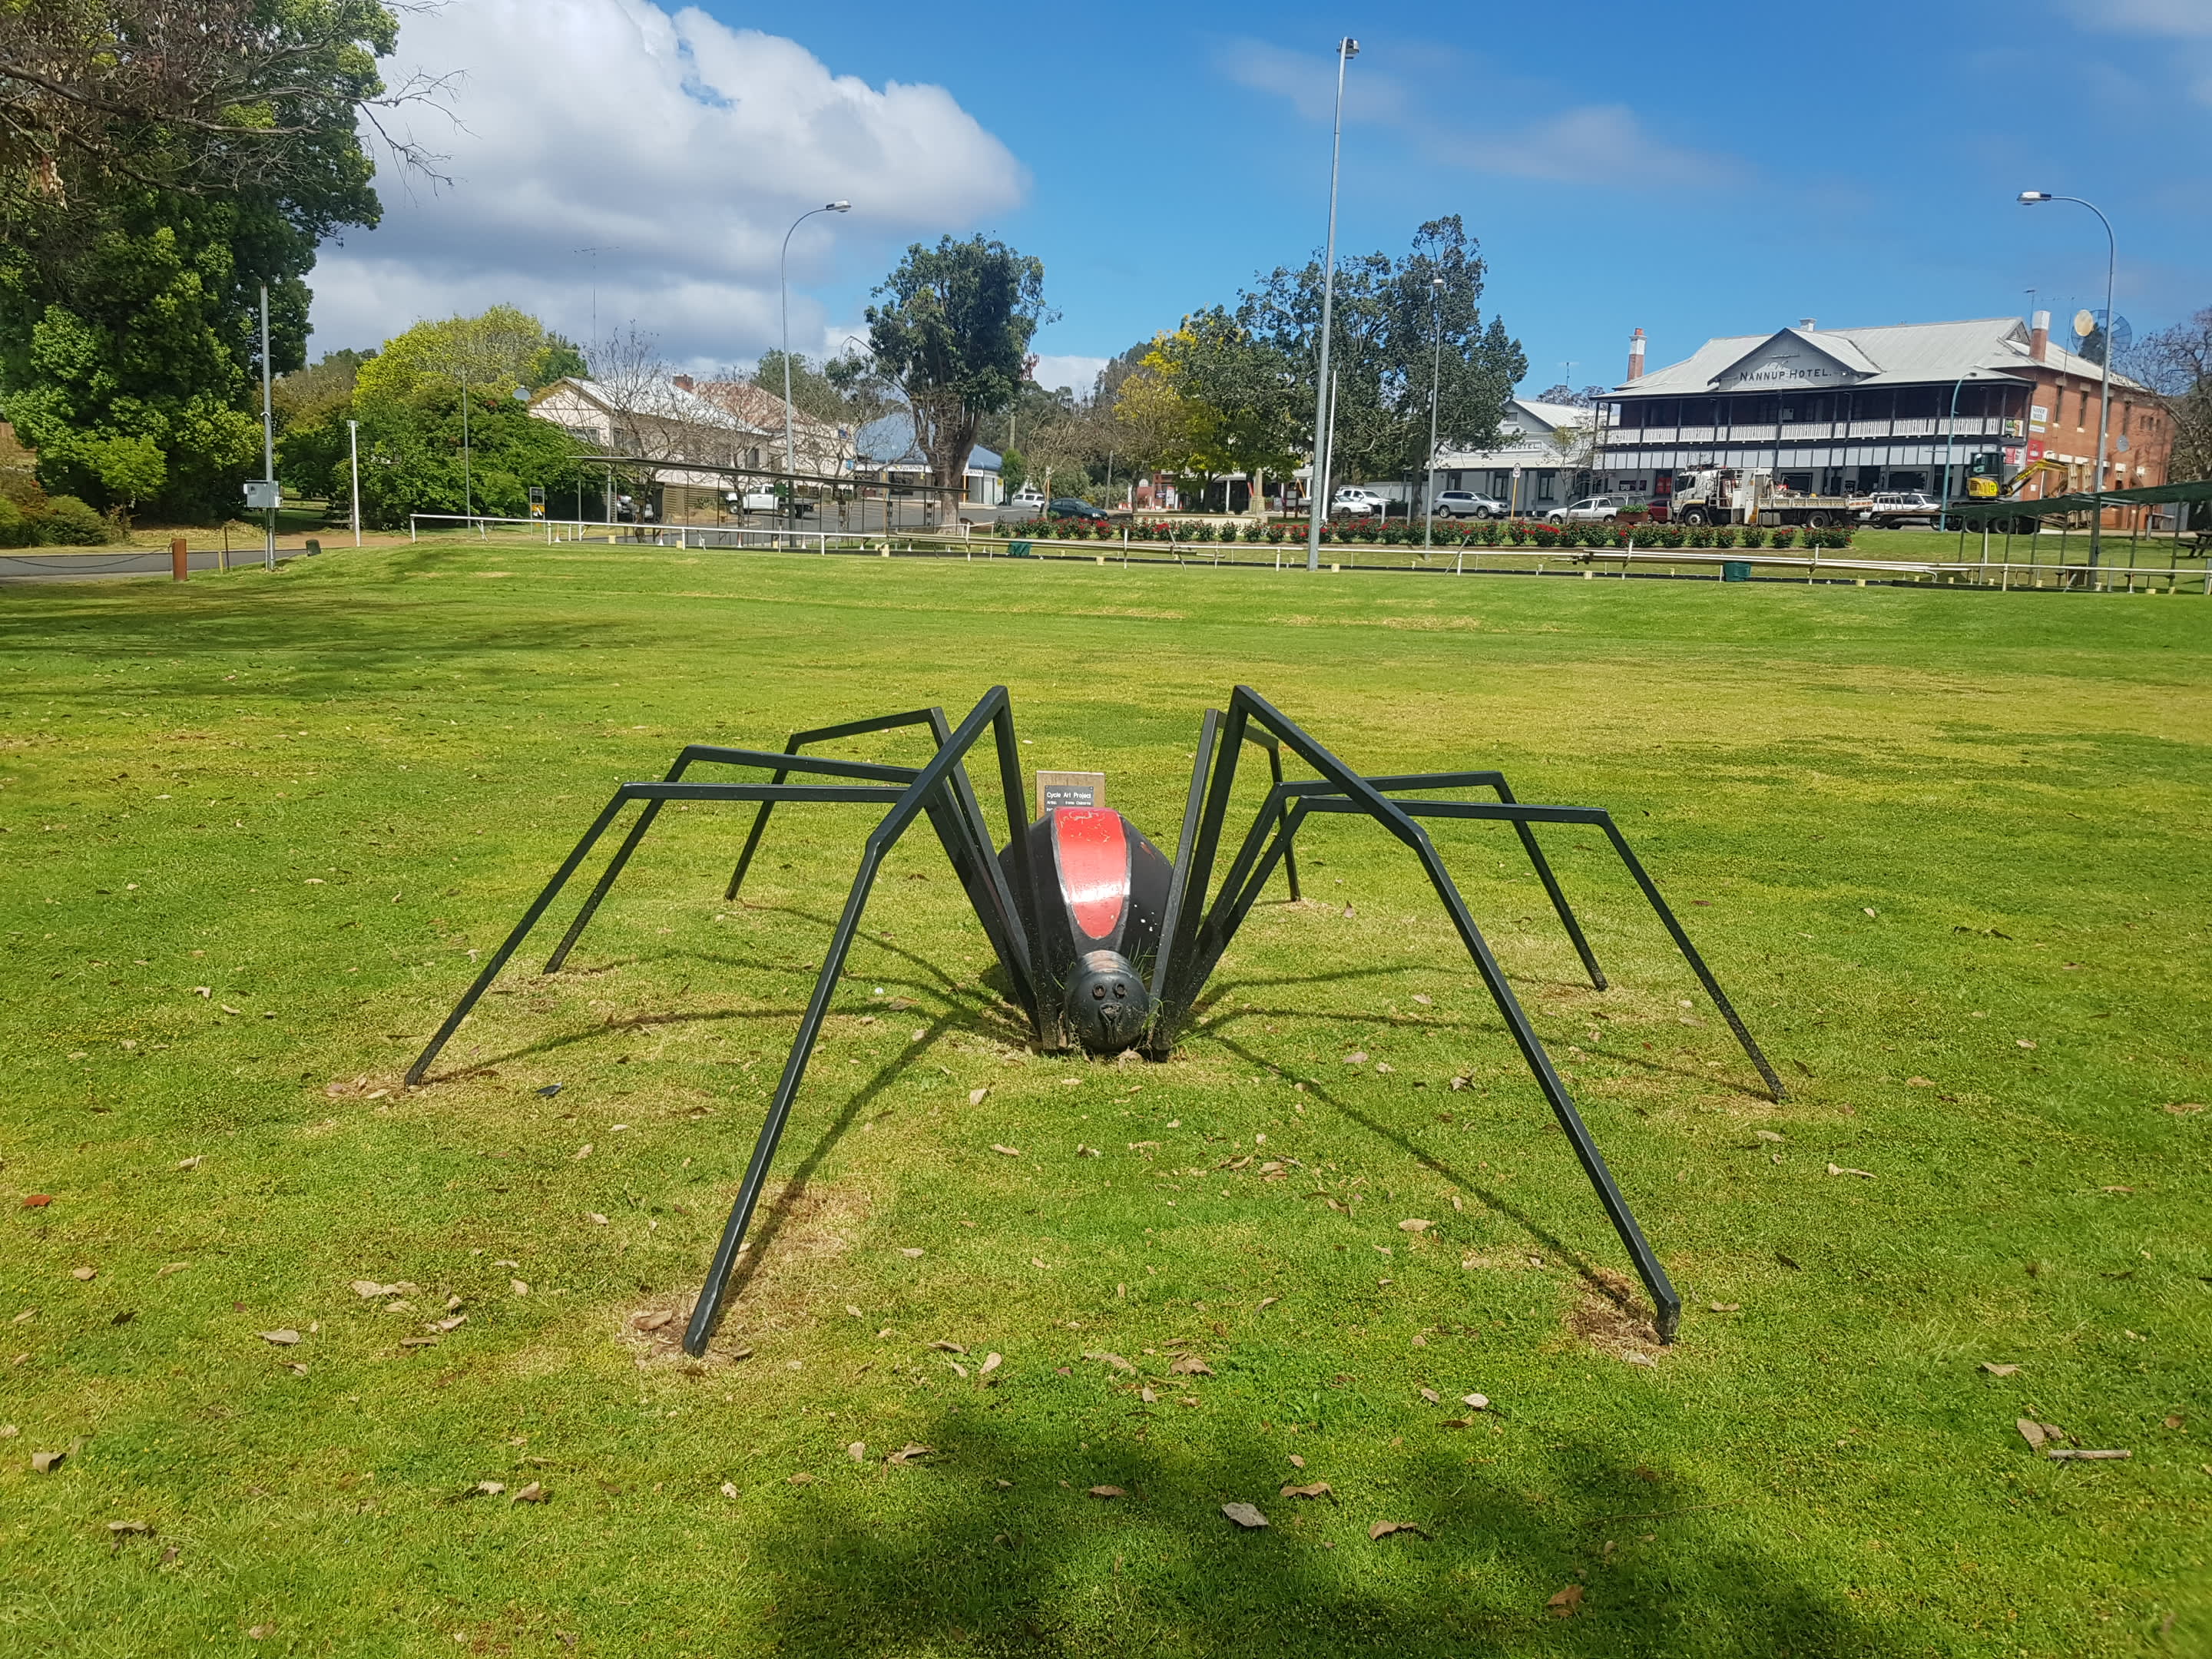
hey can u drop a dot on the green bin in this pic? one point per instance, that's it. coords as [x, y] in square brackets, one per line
[1735, 570]
[1018, 551]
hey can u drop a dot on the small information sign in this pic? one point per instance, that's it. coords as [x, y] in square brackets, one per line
[1070, 789]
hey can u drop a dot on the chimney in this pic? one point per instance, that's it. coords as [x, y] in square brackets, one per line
[681, 382]
[1808, 324]
[2038, 336]
[1636, 354]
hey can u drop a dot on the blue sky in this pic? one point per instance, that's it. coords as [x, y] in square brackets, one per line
[1700, 170]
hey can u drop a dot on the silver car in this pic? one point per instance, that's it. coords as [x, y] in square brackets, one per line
[1465, 504]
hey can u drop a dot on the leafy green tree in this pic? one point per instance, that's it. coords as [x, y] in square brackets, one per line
[159, 163]
[1388, 318]
[955, 337]
[407, 396]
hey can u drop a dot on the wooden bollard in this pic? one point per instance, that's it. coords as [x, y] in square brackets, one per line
[176, 558]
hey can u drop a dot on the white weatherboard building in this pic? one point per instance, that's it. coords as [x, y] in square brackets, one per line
[1541, 461]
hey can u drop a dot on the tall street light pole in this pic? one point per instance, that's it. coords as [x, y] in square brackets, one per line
[353, 443]
[1346, 49]
[783, 283]
[268, 439]
[1436, 385]
[2032, 198]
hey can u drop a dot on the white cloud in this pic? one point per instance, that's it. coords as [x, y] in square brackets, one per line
[1077, 374]
[2180, 18]
[1586, 144]
[680, 146]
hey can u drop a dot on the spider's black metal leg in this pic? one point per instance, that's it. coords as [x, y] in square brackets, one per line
[1689, 954]
[1665, 1300]
[752, 845]
[708, 1312]
[1559, 905]
[606, 880]
[1160, 1040]
[1290, 855]
[483, 980]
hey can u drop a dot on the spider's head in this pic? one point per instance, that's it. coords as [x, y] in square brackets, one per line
[1106, 1003]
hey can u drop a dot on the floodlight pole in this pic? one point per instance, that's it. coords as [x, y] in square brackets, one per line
[2031, 198]
[1436, 385]
[268, 436]
[1950, 443]
[1346, 49]
[353, 444]
[783, 286]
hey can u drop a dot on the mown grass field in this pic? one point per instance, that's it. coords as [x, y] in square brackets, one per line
[1945, 848]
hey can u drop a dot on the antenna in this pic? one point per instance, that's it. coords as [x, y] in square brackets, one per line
[593, 253]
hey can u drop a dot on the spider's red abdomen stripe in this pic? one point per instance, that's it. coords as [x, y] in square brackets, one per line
[1094, 867]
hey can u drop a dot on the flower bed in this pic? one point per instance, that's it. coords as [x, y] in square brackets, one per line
[1539, 534]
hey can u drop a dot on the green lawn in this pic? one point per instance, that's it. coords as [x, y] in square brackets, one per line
[1946, 849]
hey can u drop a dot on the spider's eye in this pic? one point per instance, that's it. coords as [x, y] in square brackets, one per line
[1120, 989]
[1098, 994]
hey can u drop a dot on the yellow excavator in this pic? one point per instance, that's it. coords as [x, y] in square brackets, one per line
[1989, 490]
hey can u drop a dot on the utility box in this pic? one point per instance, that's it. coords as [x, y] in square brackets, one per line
[264, 495]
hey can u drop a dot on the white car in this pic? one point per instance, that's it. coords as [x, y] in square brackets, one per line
[1465, 504]
[1028, 495]
[1590, 506]
[1890, 508]
[751, 500]
[1361, 503]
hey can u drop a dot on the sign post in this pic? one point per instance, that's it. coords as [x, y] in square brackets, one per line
[1069, 789]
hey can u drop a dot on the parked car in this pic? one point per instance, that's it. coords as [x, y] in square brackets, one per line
[1592, 506]
[1028, 495]
[1358, 502]
[1465, 504]
[1068, 507]
[751, 500]
[1892, 508]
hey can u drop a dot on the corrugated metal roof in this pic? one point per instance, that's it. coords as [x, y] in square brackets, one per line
[1901, 354]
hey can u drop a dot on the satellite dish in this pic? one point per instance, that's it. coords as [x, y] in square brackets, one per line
[2084, 324]
[2090, 334]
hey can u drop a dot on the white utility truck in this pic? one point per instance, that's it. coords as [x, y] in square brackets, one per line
[1727, 495]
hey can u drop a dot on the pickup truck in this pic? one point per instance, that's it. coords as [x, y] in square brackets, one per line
[1358, 502]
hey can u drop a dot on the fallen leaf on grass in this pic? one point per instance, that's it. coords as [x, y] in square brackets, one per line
[1190, 1365]
[2024, 1042]
[729, 1490]
[991, 1363]
[1296, 1461]
[281, 1339]
[1569, 1601]
[908, 1251]
[368, 1289]
[858, 1451]
[652, 1321]
[36, 1201]
[1244, 1515]
[909, 1453]
[802, 1478]
[260, 1631]
[2182, 1108]
[485, 1489]
[1113, 1359]
[1415, 1226]
[120, 1530]
[1318, 1489]
[1480, 1402]
[84, 1275]
[1108, 1492]
[584, 1151]
[1725, 1307]
[532, 1493]
[1995, 1369]
[1267, 1302]
[518, 1287]
[1004, 1152]
[192, 1163]
[1432, 1396]
[1837, 1169]
[46, 1462]
[1358, 1057]
[418, 1341]
[1148, 1396]
[1037, 1262]
[1384, 1529]
[2038, 1434]
[2059, 1453]
[943, 1346]
[975, 1096]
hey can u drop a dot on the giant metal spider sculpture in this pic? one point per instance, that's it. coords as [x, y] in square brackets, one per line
[1103, 943]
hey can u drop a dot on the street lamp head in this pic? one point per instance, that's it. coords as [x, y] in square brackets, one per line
[1350, 48]
[2030, 197]
[837, 207]
[1436, 282]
